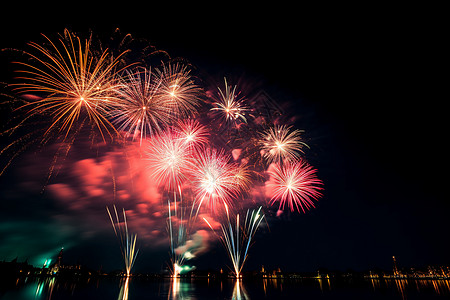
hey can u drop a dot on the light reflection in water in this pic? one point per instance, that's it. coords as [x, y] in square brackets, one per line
[124, 286]
[324, 284]
[438, 286]
[441, 287]
[401, 286]
[43, 288]
[375, 283]
[239, 292]
[180, 289]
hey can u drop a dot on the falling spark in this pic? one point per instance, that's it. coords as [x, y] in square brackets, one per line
[294, 185]
[127, 240]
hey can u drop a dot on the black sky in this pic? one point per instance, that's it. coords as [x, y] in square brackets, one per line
[366, 83]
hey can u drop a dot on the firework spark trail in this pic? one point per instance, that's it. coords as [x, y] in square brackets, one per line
[127, 241]
[73, 81]
[192, 133]
[294, 185]
[169, 158]
[76, 86]
[279, 144]
[179, 226]
[140, 111]
[214, 179]
[237, 239]
[176, 237]
[229, 107]
[178, 89]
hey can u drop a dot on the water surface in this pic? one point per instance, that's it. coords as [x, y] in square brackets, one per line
[143, 288]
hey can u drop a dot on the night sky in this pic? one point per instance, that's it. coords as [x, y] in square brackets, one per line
[364, 83]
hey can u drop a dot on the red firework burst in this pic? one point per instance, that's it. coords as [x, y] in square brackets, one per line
[294, 185]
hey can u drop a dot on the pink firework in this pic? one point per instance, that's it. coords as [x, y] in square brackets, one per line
[214, 179]
[294, 185]
[192, 133]
[169, 159]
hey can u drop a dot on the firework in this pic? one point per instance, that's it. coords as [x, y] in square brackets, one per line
[242, 177]
[177, 238]
[294, 185]
[75, 86]
[237, 239]
[169, 159]
[71, 83]
[140, 111]
[178, 89]
[214, 179]
[229, 106]
[127, 240]
[179, 225]
[280, 143]
[192, 133]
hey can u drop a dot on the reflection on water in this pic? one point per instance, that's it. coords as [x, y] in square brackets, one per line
[375, 283]
[180, 289]
[239, 292]
[193, 289]
[124, 286]
[440, 286]
[48, 284]
[324, 284]
[401, 286]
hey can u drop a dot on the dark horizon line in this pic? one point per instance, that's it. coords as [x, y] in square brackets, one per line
[269, 270]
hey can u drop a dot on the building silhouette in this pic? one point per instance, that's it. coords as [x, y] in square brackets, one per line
[395, 268]
[57, 265]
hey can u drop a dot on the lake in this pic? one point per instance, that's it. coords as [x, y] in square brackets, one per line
[193, 289]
